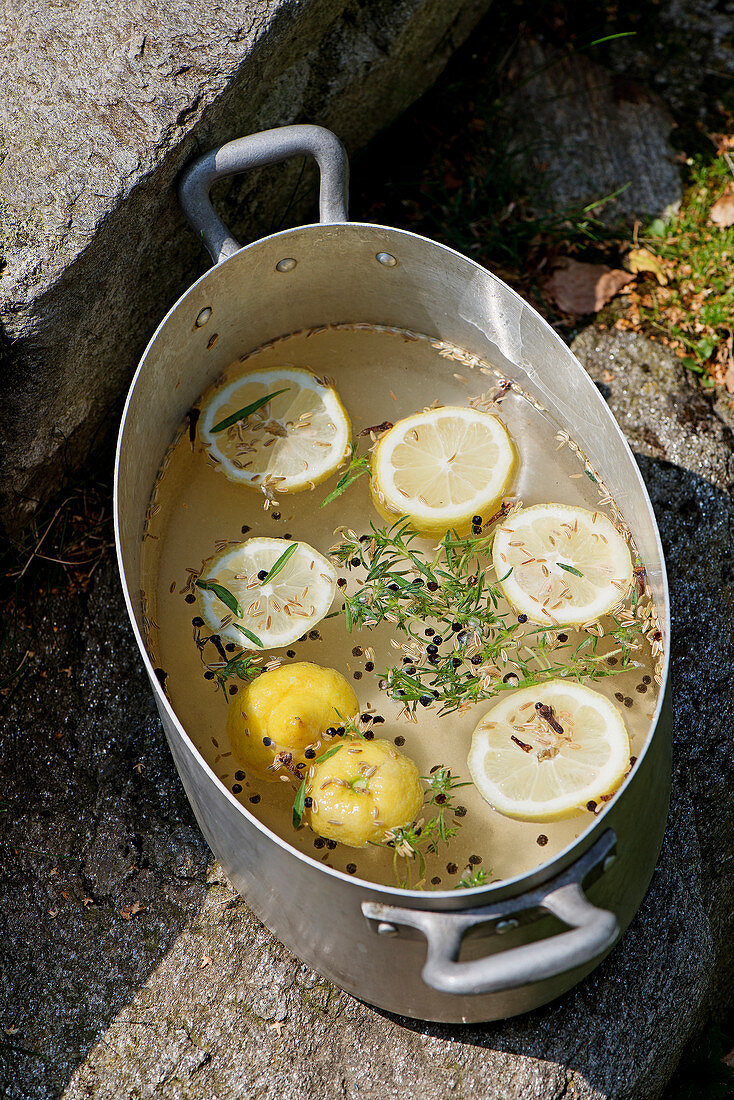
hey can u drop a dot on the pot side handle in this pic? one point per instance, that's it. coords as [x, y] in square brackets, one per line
[592, 932]
[256, 151]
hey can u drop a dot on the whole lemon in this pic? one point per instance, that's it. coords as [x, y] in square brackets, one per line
[364, 789]
[287, 710]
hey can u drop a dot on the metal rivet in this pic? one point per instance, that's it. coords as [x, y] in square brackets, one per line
[386, 259]
[384, 928]
[609, 861]
[203, 317]
[505, 925]
[286, 264]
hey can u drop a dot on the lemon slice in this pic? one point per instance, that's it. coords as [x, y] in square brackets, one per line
[526, 769]
[568, 565]
[442, 467]
[275, 611]
[291, 443]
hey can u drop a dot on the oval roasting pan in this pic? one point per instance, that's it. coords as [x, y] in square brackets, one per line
[456, 956]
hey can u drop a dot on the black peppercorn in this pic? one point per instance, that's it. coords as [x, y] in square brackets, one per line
[477, 521]
[197, 621]
[426, 700]
[262, 574]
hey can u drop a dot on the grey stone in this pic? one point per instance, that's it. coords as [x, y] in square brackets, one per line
[583, 133]
[100, 1000]
[102, 107]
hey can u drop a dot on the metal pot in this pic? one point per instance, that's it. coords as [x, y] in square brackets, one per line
[534, 936]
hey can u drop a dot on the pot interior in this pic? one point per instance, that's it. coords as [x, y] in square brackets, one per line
[394, 337]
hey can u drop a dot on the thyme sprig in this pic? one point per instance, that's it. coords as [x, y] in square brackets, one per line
[358, 465]
[471, 650]
[424, 836]
[472, 876]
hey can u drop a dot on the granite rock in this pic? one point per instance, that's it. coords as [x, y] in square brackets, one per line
[583, 133]
[131, 968]
[103, 105]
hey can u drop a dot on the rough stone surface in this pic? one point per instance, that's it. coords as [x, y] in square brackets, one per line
[190, 997]
[103, 105]
[583, 133]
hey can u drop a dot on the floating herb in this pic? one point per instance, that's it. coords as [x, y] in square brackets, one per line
[224, 595]
[569, 569]
[473, 876]
[299, 805]
[248, 634]
[280, 563]
[246, 411]
[358, 465]
[413, 842]
[471, 651]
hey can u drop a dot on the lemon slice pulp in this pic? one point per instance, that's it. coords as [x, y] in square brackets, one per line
[442, 467]
[276, 611]
[558, 563]
[291, 443]
[526, 769]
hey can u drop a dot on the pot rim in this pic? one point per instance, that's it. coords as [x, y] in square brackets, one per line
[478, 894]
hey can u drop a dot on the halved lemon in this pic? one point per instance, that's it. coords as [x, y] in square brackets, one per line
[546, 751]
[275, 611]
[557, 563]
[442, 467]
[293, 442]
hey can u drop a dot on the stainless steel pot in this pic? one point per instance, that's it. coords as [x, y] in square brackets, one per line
[522, 941]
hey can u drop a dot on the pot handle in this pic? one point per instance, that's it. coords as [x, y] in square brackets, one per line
[592, 932]
[255, 151]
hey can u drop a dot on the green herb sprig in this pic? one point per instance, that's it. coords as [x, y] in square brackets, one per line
[483, 650]
[280, 564]
[358, 465]
[246, 411]
[413, 842]
[473, 876]
[299, 804]
[224, 594]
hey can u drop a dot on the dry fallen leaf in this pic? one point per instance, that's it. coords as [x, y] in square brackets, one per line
[729, 379]
[722, 212]
[641, 259]
[128, 911]
[580, 288]
[206, 960]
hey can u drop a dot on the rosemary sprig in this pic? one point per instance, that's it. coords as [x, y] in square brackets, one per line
[248, 634]
[244, 412]
[224, 595]
[358, 465]
[299, 804]
[471, 650]
[277, 566]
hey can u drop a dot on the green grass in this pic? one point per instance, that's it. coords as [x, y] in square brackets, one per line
[695, 311]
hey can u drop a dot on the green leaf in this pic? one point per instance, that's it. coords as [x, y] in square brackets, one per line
[570, 569]
[224, 595]
[248, 634]
[242, 413]
[357, 467]
[280, 563]
[299, 804]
